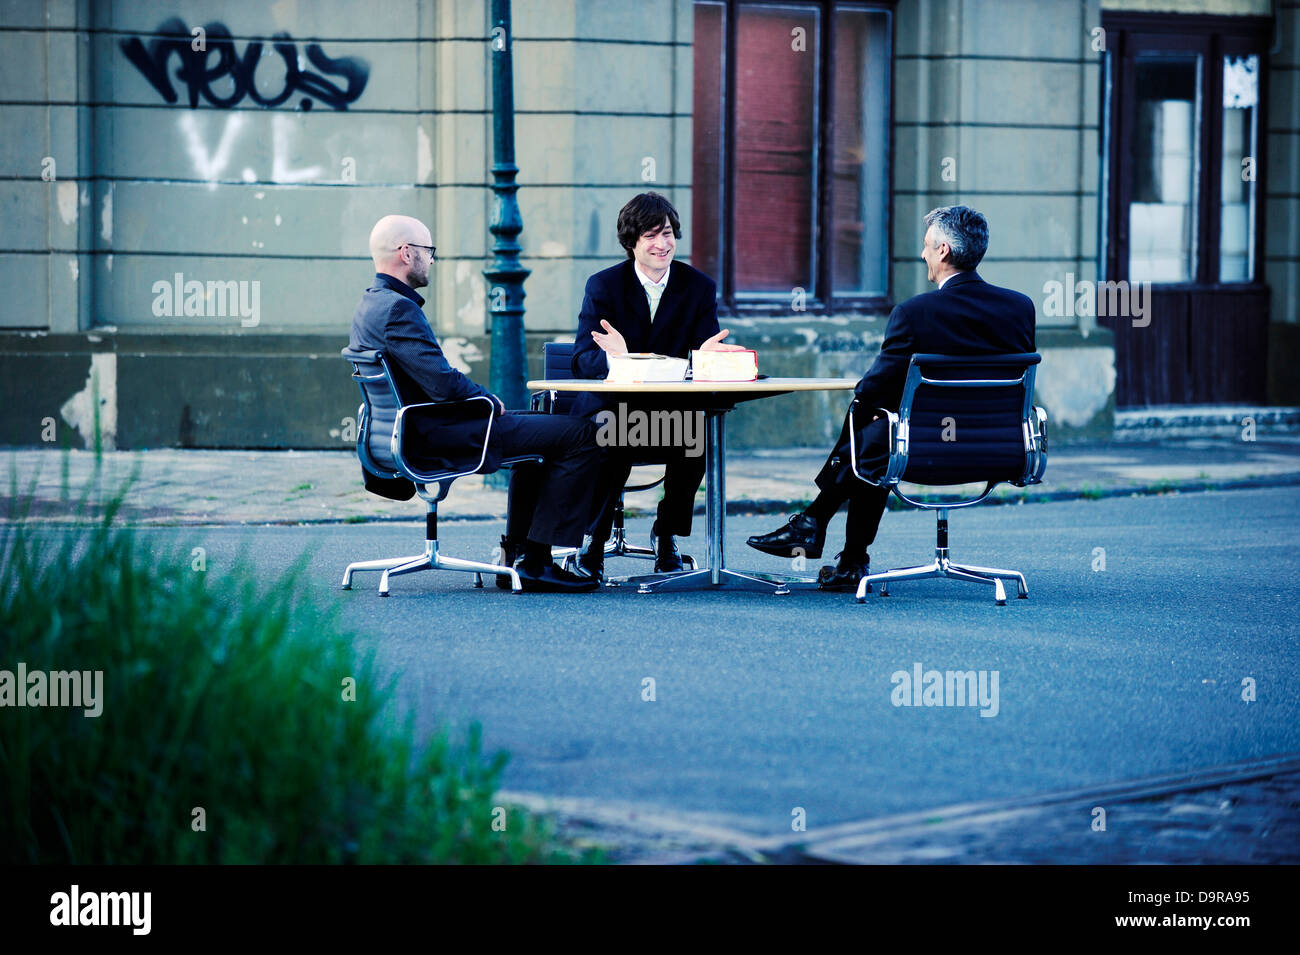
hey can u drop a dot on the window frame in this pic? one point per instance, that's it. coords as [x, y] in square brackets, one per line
[825, 302]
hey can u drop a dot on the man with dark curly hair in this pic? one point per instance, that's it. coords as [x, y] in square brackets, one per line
[647, 303]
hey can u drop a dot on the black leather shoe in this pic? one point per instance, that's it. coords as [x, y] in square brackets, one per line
[508, 554]
[668, 559]
[591, 560]
[553, 579]
[845, 575]
[801, 536]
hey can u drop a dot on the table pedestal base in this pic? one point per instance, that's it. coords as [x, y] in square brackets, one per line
[778, 584]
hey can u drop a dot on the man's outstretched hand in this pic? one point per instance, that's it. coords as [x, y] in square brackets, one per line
[612, 342]
[716, 344]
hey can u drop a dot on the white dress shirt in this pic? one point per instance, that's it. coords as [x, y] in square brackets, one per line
[654, 291]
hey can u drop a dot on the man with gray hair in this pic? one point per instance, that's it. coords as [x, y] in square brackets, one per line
[964, 316]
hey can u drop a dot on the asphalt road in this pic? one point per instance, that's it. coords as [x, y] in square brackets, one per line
[764, 704]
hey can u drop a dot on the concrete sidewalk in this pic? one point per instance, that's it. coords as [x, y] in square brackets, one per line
[174, 486]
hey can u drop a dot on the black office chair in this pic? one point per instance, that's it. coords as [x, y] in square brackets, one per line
[557, 363]
[961, 420]
[383, 422]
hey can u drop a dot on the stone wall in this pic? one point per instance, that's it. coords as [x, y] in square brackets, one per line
[112, 186]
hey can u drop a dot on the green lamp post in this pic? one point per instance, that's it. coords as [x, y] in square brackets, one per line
[505, 275]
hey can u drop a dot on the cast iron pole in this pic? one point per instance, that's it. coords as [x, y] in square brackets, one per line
[505, 275]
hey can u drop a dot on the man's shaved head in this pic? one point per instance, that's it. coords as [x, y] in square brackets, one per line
[394, 247]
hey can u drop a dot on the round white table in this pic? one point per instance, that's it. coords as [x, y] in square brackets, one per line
[715, 399]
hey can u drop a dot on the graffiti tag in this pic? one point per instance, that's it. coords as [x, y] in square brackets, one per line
[232, 77]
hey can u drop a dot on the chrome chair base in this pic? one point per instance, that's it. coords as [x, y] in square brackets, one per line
[942, 566]
[618, 546]
[429, 560]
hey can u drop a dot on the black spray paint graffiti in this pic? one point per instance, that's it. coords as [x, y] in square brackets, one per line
[238, 73]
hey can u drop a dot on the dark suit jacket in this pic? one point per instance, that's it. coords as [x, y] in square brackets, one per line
[687, 315]
[968, 316]
[390, 319]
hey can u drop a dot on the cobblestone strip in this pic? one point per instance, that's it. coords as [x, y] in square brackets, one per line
[1247, 814]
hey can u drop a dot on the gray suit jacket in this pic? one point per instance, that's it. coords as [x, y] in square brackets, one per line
[390, 319]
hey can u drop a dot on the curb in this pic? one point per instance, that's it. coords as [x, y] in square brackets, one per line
[743, 507]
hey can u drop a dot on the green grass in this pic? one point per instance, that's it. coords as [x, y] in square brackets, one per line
[226, 696]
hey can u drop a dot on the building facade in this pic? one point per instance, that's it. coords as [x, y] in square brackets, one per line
[188, 189]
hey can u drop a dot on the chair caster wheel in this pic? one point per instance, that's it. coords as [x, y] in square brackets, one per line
[385, 594]
[1022, 596]
[1001, 603]
[859, 600]
[346, 587]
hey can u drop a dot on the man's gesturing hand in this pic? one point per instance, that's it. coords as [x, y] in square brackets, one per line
[611, 343]
[715, 343]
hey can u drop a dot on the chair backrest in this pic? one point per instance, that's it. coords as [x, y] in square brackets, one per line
[967, 418]
[557, 363]
[380, 403]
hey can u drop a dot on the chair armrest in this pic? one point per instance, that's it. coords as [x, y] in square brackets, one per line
[480, 408]
[898, 441]
[542, 401]
[1035, 447]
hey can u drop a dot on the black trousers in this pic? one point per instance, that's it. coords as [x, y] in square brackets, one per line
[548, 502]
[838, 484]
[682, 477]
[684, 463]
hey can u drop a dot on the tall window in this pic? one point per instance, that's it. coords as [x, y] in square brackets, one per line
[791, 158]
[1240, 146]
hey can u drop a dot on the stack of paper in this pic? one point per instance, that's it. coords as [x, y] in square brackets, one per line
[637, 367]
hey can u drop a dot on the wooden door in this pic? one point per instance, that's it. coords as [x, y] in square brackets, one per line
[1183, 115]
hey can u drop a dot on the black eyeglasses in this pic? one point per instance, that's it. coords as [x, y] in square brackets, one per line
[432, 248]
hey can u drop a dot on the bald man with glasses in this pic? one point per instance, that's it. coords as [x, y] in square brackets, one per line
[548, 502]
